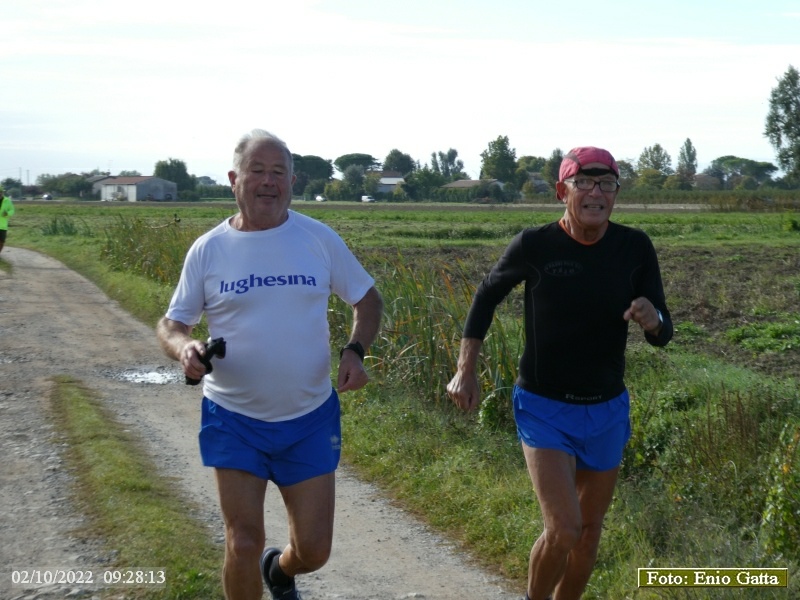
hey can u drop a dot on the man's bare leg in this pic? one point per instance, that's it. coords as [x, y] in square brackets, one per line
[552, 473]
[241, 498]
[595, 492]
[310, 508]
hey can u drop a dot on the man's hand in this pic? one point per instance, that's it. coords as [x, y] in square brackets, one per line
[177, 343]
[352, 374]
[189, 357]
[645, 314]
[464, 390]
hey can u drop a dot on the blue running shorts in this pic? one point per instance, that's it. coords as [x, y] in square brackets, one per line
[285, 452]
[595, 434]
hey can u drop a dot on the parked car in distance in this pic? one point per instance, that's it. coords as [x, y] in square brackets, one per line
[367, 199]
[320, 198]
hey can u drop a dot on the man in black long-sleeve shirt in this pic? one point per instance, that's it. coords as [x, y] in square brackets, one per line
[585, 280]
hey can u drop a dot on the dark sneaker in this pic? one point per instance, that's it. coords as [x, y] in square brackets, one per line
[279, 592]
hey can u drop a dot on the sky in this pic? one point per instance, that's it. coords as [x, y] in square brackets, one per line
[115, 86]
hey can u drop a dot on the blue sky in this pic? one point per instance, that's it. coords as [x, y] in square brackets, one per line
[120, 86]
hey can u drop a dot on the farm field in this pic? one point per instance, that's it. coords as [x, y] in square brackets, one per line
[712, 473]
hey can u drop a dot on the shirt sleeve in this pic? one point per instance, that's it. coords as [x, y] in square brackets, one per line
[504, 276]
[653, 290]
[349, 280]
[188, 300]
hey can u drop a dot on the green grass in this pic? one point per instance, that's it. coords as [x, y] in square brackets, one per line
[711, 475]
[135, 512]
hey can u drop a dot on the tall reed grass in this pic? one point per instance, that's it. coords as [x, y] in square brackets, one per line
[424, 315]
[155, 251]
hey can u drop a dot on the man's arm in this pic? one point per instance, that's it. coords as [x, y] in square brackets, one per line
[367, 314]
[464, 388]
[656, 324]
[177, 343]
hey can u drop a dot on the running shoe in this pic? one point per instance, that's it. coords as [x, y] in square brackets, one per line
[279, 592]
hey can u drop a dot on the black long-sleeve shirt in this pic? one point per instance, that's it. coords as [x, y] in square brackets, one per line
[575, 298]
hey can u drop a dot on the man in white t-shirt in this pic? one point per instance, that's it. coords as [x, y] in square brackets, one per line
[263, 278]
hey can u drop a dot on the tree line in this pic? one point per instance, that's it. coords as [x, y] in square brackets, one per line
[522, 177]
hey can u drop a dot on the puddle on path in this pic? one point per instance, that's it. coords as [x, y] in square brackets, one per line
[158, 376]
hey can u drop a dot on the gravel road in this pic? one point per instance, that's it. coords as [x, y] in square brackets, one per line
[55, 322]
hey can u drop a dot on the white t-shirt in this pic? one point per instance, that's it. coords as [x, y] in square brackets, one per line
[266, 293]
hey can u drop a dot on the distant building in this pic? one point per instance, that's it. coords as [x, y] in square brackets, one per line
[137, 189]
[466, 184]
[388, 182]
[387, 185]
[95, 180]
[540, 186]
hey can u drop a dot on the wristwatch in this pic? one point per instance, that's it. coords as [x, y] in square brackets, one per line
[355, 347]
[660, 321]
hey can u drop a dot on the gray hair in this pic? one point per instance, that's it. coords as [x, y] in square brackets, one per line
[259, 136]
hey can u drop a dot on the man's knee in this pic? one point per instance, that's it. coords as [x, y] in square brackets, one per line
[313, 557]
[590, 539]
[244, 542]
[563, 537]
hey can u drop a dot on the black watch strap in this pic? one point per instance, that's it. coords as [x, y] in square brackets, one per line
[355, 347]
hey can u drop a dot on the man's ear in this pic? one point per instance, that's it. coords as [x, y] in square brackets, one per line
[561, 190]
[232, 178]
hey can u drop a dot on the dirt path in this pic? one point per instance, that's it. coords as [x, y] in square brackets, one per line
[53, 321]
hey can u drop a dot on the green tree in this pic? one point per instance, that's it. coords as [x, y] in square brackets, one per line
[371, 183]
[448, 165]
[532, 164]
[308, 168]
[759, 170]
[315, 167]
[174, 170]
[335, 190]
[66, 184]
[674, 182]
[365, 161]
[316, 186]
[687, 163]
[730, 170]
[300, 183]
[783, 123]
[655, 157]
[10, 182]
[627, 173]
[399, 161]
[129, 174]
[551, 167]
[499, 160]
[353, 182]
[422, 183]
[650, 179]
[12, 187]
[747, 183]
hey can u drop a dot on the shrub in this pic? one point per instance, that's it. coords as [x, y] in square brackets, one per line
[782, 510]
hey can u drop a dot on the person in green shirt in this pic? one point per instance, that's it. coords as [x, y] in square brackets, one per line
[6, 210]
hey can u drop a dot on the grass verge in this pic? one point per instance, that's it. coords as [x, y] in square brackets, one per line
[136, 511]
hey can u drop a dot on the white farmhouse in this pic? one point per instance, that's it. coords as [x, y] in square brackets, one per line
[137, 189]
